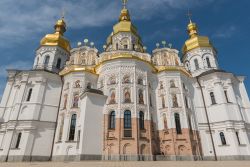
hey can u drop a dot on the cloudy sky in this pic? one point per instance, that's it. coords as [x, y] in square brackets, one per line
[24, 22]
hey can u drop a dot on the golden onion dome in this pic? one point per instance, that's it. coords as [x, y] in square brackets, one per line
[124, 16]
[124, 24]
[195, 40]
[57, 39]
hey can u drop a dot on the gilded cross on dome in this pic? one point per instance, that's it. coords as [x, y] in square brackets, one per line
[124, 2]
[189, 14]
[63, 13]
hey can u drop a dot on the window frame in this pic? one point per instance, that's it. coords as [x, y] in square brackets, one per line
[141, 120]
[208, 62]
[72, 128]
[18, 140]
[112, 121]
[196, 64]
[178, 123]
[58, 63]
[127, 123]
[223, 138]
[212, 97]
[29, 95]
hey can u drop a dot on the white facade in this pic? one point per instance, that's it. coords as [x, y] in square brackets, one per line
[61, 109]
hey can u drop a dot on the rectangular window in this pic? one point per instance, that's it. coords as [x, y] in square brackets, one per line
[186, 101]
[212, 98]
[29, 95]
[226, 95]
[238, 138]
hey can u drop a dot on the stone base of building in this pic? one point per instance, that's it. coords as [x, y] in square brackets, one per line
[228, 158]
[19, 158]
[77, 158]
[128, 157]
[177, 158]
[123, 158]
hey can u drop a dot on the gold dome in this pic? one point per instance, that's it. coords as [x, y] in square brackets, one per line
[195, 40]
[57, 39]
[125, 24]
[124, 16]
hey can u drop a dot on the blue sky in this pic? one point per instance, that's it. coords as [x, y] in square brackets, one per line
[226, 22]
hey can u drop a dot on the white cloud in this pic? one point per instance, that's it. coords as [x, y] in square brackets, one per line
[22, 19]
[225, 32]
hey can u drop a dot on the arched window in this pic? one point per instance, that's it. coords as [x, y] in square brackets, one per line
[208, 62]
[58, 63]
[223, 139]
[196, 63]
[112, 120]
[72, 127]
[127, 124]
[125, 46]
[18, 140]
[46, 60]
[125, 43]
[29, 95]
[177, 123]
[117, 46]
[134, 47]
[141, 98]
[76, 100]
[89, 85]
[212, 98]
[141, 120]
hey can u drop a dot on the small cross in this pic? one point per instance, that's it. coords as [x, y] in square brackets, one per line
[189, 14]
[63, 13]
[124, 2]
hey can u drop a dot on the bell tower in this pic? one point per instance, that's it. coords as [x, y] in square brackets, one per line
[199, 55]
[54, 50]
[124, 36]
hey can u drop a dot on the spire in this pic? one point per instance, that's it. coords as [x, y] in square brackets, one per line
[124, 16]
[189, 14]
[124, 2]
[195, 40]
[192, 28]
[60, 25]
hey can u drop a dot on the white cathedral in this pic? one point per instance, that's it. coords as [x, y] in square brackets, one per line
[124, 103]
